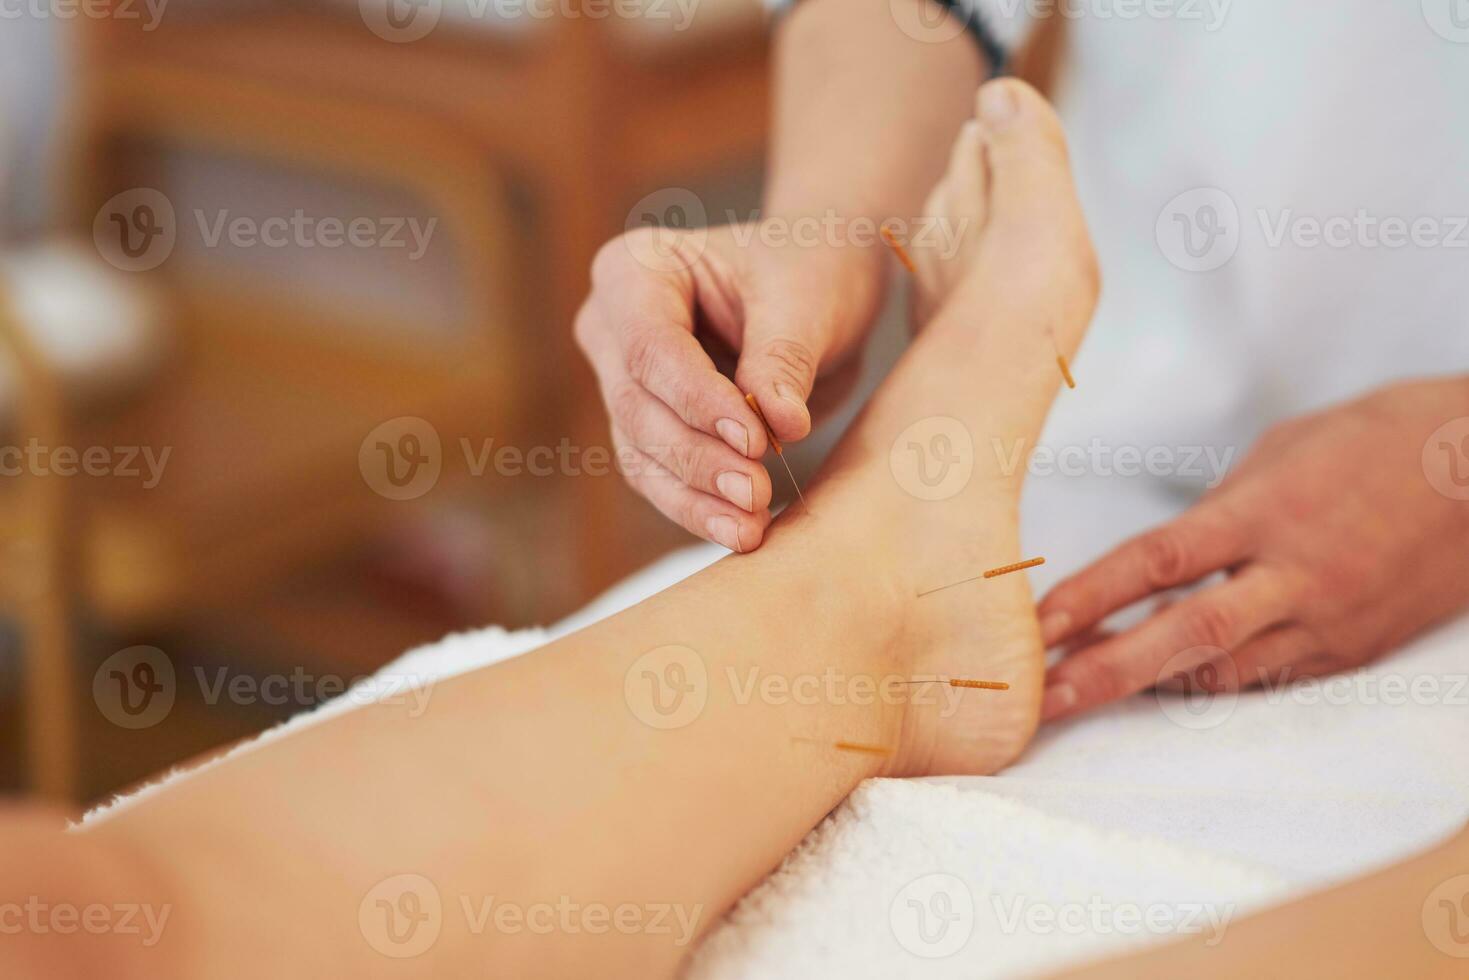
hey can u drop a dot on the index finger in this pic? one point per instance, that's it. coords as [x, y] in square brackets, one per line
[1206, 539]
[650, 316]
[1219, 619]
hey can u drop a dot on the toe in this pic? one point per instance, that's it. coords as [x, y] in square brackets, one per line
[966, 177]
[1034, 214]
[1024, 135]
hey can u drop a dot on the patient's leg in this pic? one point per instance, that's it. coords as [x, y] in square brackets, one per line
[606, 770]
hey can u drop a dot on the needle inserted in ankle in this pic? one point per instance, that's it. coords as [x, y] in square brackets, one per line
[1002, 570]
[962, 682]
[848, 746]
[868, 749]
[779, 450]
[898, 249]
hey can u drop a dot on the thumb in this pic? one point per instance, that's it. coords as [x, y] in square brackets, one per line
[779, 358]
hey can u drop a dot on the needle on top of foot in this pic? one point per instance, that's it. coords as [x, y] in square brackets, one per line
[1002, 570]
[898, 249]
[779, 450]
[1061, 361]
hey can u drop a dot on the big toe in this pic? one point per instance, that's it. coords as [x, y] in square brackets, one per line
[1035, 220]
[1028, 162]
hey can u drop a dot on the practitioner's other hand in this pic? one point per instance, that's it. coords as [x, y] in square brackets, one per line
[668, 310]
[1343, 534]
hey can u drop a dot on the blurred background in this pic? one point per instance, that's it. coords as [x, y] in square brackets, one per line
[286, 370]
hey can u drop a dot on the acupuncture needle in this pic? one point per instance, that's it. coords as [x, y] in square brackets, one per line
[779, 449]
[898, 250]
[1061, 361]
[963, 682]
[849, 746]
[992, 573]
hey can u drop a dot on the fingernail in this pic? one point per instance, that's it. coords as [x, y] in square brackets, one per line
[997, 105]
[788, 394]
[1054, 627]
[725, 531]
[1057, 700]
[738, 489]
[736, 435]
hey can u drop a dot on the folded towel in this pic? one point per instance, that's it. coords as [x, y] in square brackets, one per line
[913, 876]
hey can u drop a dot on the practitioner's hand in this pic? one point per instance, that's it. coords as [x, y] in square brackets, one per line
[667, 310]
[1343, 534]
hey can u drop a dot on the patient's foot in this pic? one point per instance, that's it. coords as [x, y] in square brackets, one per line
[929, 477]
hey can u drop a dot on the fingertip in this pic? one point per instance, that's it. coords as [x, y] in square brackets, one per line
[736, 435]
[724, 531]
[779, 409]
[1059, 700]
[780, 375]
[791, 417]
[1055, 627]
[796, 415]
[764, 492]
[757, 536]
[752, 530]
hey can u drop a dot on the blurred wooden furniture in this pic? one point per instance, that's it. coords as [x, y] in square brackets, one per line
[267, 398]
[586, 113]
[269, 394]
